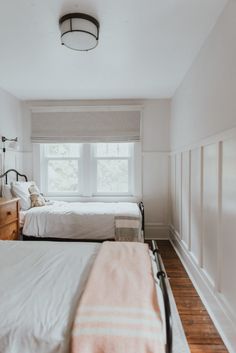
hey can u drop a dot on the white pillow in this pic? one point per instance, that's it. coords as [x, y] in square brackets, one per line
[6, 192]
[20, 189]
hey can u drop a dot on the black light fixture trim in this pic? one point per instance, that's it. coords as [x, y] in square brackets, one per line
[84, 16]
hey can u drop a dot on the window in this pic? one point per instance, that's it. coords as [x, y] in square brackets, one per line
[99, 169]
[62, 169]
[113, 168]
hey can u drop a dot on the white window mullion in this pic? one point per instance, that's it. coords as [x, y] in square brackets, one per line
[131, 170]
[130, 176]
[137, 170]
[93, 170]
[45, 179]
[45, 175]
[80, 188]
[86, 170]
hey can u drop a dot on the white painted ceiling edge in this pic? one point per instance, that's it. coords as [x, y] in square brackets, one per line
[145, 49]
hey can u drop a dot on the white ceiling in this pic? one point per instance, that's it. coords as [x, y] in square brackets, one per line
[145, 47]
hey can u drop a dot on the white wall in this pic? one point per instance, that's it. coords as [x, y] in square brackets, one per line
[155, 151]
[205, 102]
[203, 173]
[10, 127]
[156, 118]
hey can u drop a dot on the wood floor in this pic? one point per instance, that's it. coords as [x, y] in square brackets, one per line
[200, 331]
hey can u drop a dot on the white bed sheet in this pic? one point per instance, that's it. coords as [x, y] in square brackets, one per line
[77, 220]
[41, 283]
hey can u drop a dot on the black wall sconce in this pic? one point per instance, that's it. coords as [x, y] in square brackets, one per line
[5, 139]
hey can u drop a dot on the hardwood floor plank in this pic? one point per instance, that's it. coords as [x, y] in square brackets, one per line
[187, 319]
[188, 304]
[200, 331]
[202, 348]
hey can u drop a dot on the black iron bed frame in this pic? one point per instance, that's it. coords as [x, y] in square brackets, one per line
[16, 173]
[161, 275]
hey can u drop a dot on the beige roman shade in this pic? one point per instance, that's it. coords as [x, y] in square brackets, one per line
[85, 126]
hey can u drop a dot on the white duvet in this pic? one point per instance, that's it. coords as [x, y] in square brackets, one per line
[41, 283]
[77, 220]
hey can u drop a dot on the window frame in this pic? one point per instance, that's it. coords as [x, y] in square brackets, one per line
[130, 160]
[47, 158]
[87, 191]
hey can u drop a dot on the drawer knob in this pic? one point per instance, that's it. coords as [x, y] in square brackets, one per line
[8, 213]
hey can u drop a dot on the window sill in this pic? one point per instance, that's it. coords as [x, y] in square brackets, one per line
[97, 198]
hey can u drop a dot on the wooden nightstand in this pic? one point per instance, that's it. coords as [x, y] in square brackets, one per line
[9, 219]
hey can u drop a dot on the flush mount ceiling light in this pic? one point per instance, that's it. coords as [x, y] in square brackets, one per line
[79, 31]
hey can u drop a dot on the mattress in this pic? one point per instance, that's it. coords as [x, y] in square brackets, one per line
[41, 284]
[77, 220]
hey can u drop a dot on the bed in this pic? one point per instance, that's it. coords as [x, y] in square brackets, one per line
[41, 286]
[76, 221]
[83, 220]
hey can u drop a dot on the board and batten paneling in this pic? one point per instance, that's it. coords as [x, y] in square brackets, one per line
[203, 223]
[210, 210]
[177, 214]
[172, 162]
[10, 160]
[228, 225]
[185, 198]
[196, 204]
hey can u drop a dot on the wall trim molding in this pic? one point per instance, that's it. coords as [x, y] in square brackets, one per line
[156, 151]
[215, 138]
[214, 303]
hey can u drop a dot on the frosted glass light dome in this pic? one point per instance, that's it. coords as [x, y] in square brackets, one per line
[79, 31]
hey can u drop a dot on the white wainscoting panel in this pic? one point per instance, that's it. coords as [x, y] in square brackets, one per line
[177, 219]
[210, 210]
[185, 198]
[203, 224]
[172, 189]
[196, 205]
[10, 159]
[228, 226]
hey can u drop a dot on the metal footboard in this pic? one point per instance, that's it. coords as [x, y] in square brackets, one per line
[141, 207]
[162, 277]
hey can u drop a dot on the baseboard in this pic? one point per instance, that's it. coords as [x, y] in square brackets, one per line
[156, 231]
[211, 299]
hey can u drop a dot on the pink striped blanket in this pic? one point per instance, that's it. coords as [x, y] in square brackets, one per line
[118, 311]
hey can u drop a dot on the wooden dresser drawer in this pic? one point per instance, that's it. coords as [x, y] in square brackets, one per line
[8, 213]
[9, 232]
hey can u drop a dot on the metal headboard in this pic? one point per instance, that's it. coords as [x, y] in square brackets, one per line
[162, 277]
[16, 173]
